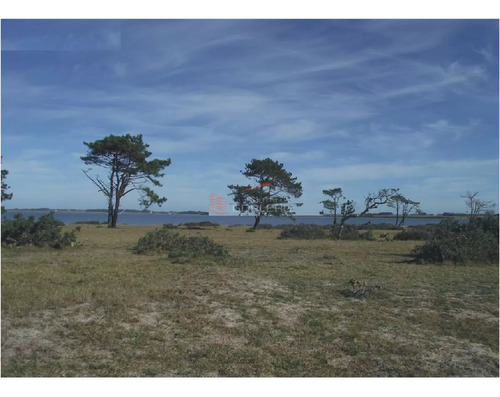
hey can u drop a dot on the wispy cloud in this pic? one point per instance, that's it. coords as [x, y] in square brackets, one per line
[401, 170]
[359, 103]
[301, 157]
[77, 35]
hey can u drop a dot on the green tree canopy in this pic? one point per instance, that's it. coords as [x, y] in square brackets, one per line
[5, 195]
[274, 188]
[125, 157]
[332, 203]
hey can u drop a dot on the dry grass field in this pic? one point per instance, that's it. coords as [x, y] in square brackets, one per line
[273, 308]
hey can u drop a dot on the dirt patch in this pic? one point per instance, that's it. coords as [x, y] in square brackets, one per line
[227, 316]
[470, 314]
[39, 336]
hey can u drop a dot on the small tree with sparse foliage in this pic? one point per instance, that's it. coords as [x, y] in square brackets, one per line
[404, 207]
[372, 200]
[332, 203]
[476, 206]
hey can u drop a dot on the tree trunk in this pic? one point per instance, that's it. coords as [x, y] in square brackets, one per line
[403, 218]
[110, 198]
[256, 223]
[340, 230]
[110, 214]
[114, 217]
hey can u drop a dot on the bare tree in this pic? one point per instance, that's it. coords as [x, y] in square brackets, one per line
[475, 205]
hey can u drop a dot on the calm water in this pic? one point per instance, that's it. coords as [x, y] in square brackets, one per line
[159, 219]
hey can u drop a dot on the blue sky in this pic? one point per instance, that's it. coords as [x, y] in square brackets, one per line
[356, 104]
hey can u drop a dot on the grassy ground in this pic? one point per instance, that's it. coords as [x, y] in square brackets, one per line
[274, 308]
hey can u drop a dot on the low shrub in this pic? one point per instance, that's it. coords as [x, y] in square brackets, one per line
[44, 232]
[197, 225]
[303, 231]
[414, 233]
[476, 241]
[366, 235]
[282, 226]
[359, 289]
[349, 232]
[164, 241]
[359, 232]
[382, 226]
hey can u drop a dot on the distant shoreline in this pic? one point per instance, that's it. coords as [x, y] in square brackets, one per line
[197, 213]
[204, 213]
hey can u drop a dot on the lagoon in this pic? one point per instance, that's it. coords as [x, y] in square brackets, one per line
[69, 217]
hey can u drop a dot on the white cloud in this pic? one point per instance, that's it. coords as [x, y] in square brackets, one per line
[214, 94]
[400, 171]
[445, 128]
[298, 157]
[296, 131]
[427, 80]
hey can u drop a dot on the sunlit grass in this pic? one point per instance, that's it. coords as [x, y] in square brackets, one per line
[273, 308]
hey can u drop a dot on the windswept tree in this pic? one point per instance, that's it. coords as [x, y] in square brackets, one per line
[271, 193]
[332, 203]
[403, 206]
[5, 195]
[126, 159]
[476, 206]
[347, 211]
[372, 201]
[407, 207]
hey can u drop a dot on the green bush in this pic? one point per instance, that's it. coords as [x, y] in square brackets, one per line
[170, 226]
[367, 235]
[350, 232]
[44, 232]
[282, 226]
[476, 241]
[198, 225]
[303, 231]
[164, 241]
[360, 232]
[382, 226]
[419, 233]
